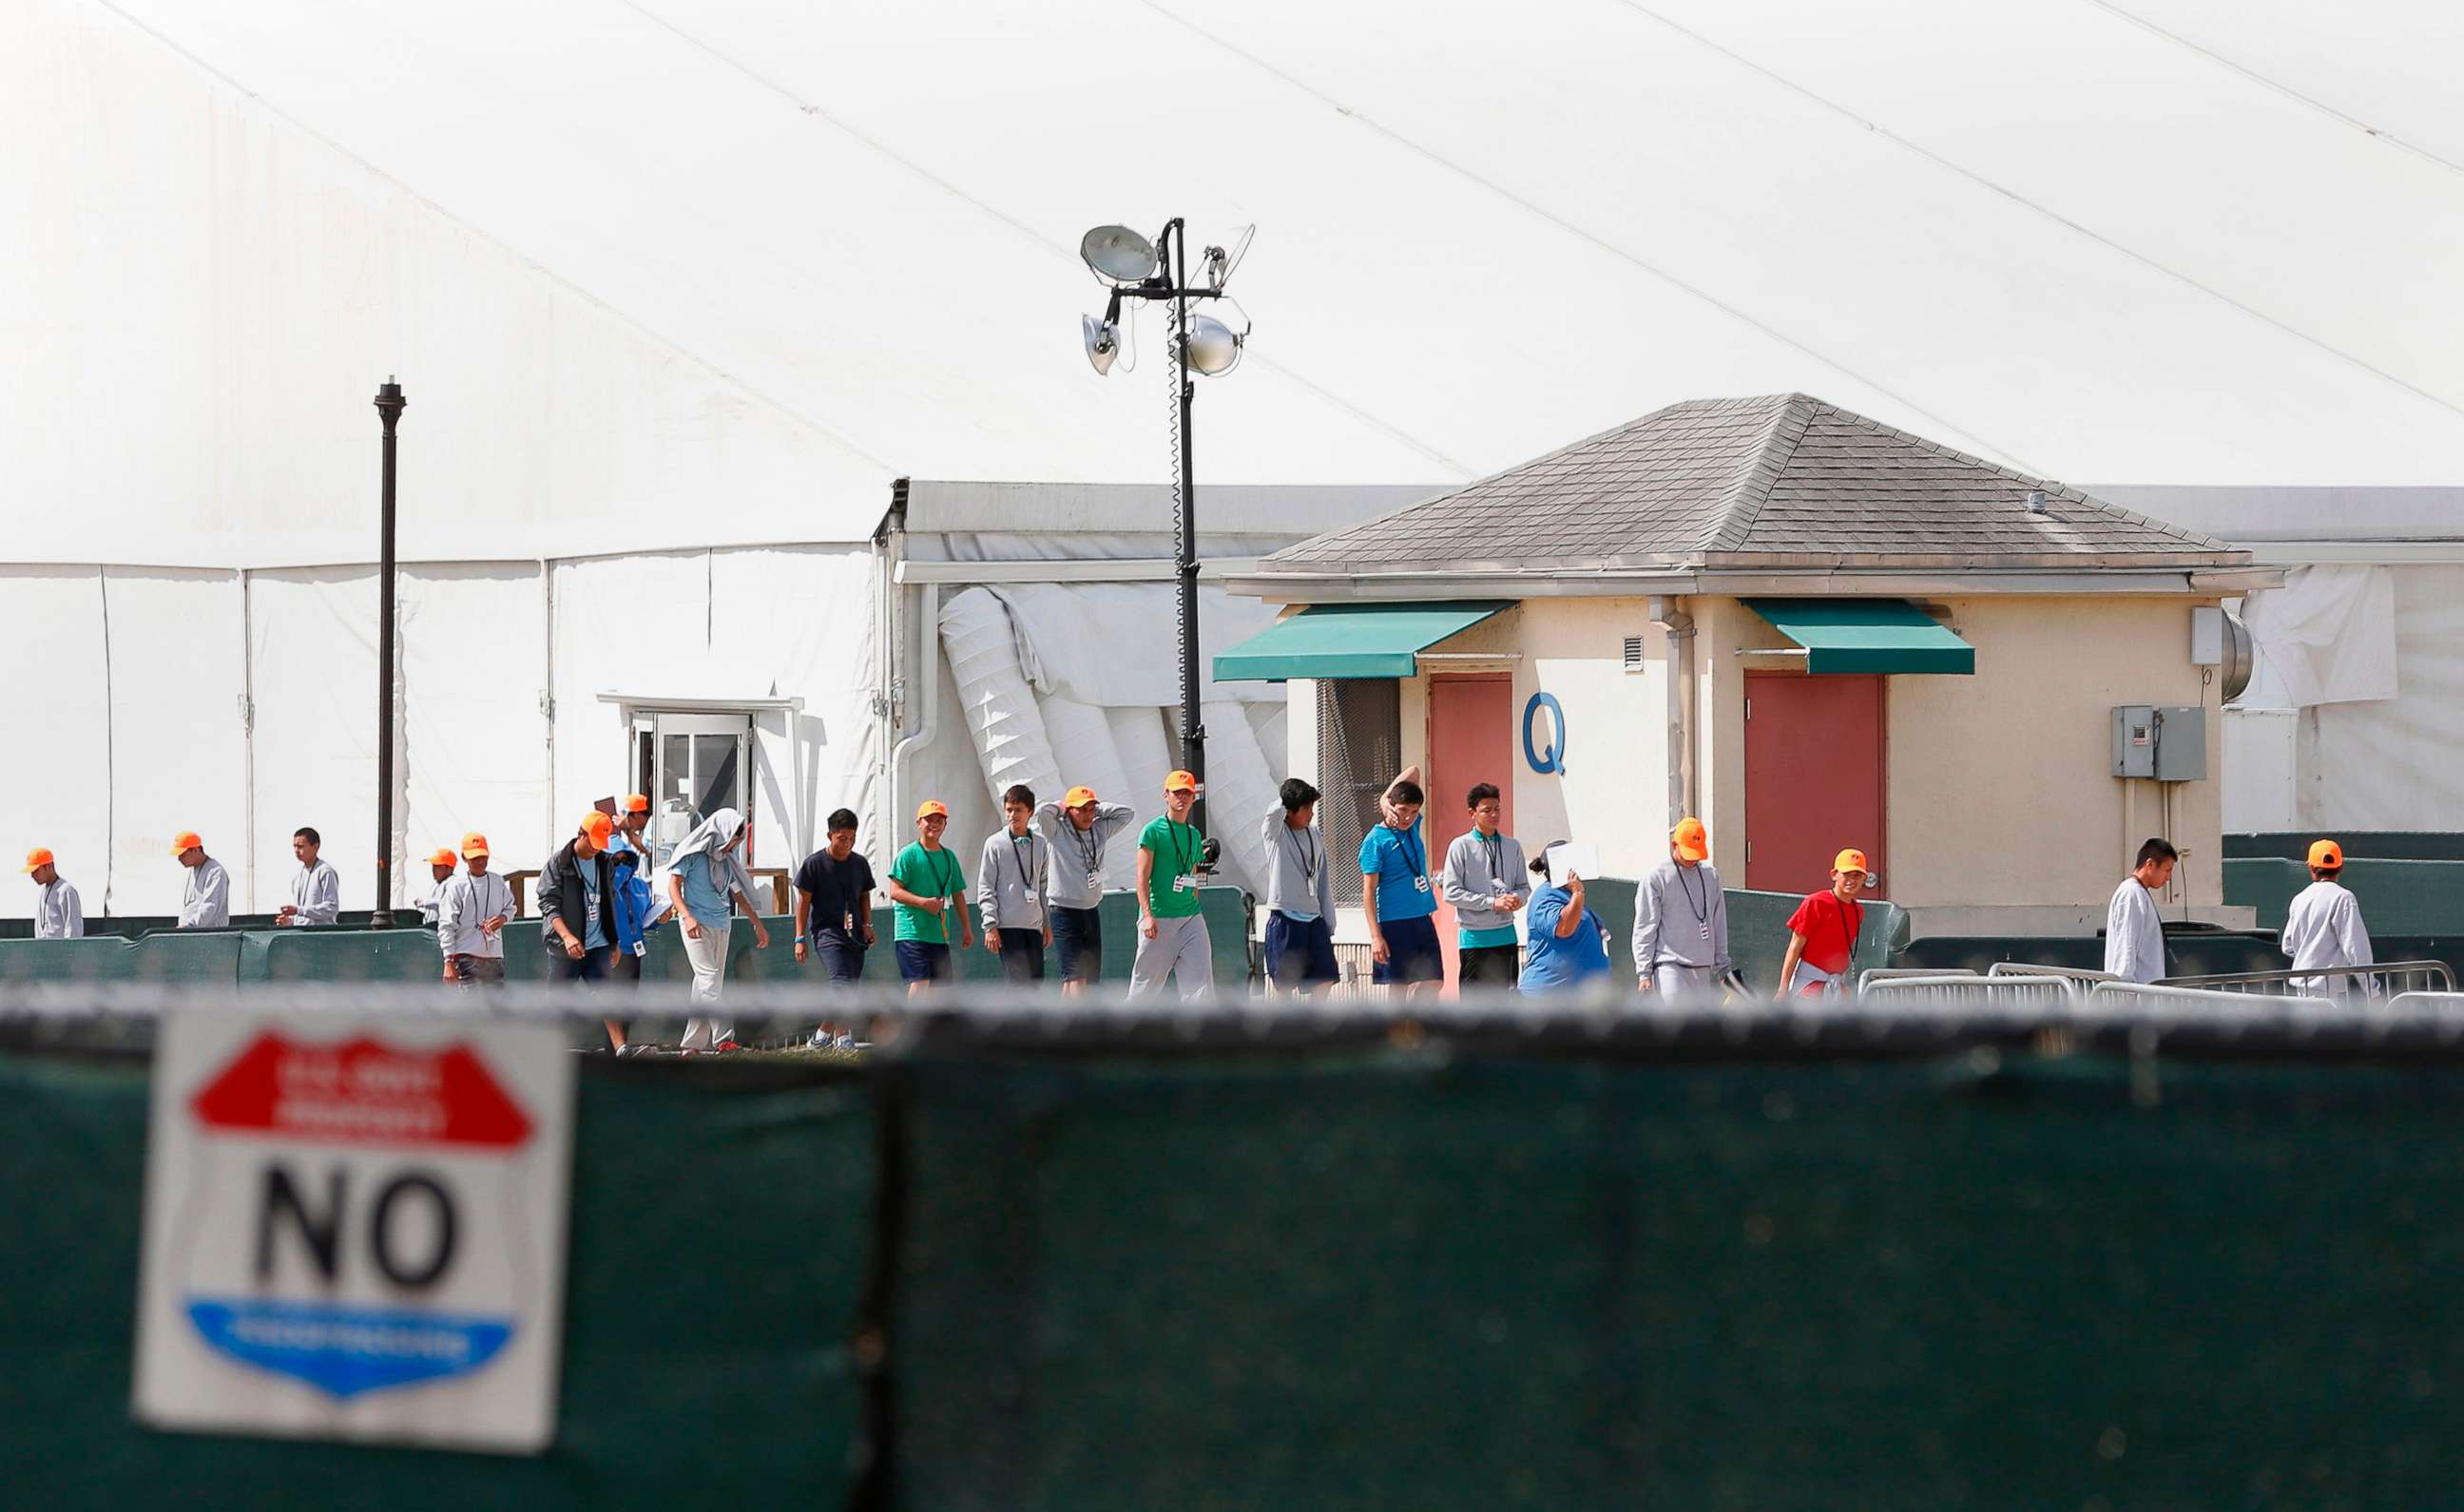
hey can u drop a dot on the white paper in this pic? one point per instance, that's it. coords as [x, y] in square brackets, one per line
[1572, 859]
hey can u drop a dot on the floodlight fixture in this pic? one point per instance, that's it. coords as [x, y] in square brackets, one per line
[1214, 347]
[1118, 256]
[1103, 342]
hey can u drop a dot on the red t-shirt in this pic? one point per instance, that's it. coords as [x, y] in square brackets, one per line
[1830, 928]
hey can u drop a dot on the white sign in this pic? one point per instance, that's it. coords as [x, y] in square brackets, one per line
[355, 1229]
[1571, 859]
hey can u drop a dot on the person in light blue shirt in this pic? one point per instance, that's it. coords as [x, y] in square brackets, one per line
[1397, 893]
[1567, 945]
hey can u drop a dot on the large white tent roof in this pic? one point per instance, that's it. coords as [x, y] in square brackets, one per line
[658, 273]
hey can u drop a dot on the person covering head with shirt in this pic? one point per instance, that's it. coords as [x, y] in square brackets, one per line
[471, 913]
[1397, 894]
[927, 891]
[1681, 919]
[206, 905]
[1823, 933]
[2134, 936]
[1172, 933]
[316, 891]
[704, 875]
[59, 914]
[1013, 890]
[1079, 828]
[1300, 894]
[2323, 928]
[441, 864]
[576, 902]
[1569, 943]
[1484, 882]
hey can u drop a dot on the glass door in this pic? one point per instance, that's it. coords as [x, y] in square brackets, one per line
[693, 766]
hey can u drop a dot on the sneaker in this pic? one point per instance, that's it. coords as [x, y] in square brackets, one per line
[727, 1044]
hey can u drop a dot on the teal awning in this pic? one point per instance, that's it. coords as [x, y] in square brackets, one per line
[1349, 639]
[1867, 635]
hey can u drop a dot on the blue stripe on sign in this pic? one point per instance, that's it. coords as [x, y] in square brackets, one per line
[343, 1351]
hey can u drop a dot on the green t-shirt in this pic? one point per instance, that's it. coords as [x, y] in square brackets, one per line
[1176, 848]
[927, 874]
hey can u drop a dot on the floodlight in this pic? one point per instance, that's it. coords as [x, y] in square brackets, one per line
[1220, 265]
[1103, 342]
[1214, 347]
[1119, 254]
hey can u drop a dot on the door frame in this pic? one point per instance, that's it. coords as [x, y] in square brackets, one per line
[654, 724]
[1447, 950]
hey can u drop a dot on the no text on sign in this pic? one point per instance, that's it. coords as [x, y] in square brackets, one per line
[356, 1229]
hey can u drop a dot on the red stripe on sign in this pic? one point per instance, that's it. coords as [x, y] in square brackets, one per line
[362, 1092]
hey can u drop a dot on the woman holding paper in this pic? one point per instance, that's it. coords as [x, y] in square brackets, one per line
[1567, 946]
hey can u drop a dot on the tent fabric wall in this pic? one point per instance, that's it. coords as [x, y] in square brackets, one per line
[179, 744]
[55, 774]
[2393, 764]
[614, 615]
[805, 617]
[313, 653]
[474, 649]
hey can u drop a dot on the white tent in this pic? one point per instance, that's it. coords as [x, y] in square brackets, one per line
[678, 290]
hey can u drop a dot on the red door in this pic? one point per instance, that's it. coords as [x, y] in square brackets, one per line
[1471, 740]
[1813, 776]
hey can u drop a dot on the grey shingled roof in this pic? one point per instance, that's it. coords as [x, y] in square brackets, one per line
[1780, 481]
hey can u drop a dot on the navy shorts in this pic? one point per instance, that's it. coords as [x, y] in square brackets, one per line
[1021, 955]
[1299, 952]
[1412, 953]
[841, 958]
[922, 961]
[1078, 939]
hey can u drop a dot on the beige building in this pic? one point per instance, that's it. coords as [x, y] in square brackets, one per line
[1811, 629]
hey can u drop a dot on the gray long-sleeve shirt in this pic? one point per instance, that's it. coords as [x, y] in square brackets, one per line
[59, 915]
[316, 893]
[207, 904]
[1299, 883]
[1680, 918]
[2323, 930]
[1078, 854]
[1479, 869]
[1013, 881]
[2134, 936]
[465, 903]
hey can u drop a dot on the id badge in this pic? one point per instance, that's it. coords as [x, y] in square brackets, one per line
[641, 948]
[1705, 928]
[1094, 882]
[847, 921]
[1421, 883]
[1181, 883]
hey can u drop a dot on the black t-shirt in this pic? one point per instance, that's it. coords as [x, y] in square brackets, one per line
[837, 888]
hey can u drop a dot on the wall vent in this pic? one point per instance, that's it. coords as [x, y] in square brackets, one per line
[1634, 653]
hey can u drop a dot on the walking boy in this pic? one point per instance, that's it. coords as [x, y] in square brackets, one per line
[206, 905]
[928, 887]
[59, 914]
[471, 916]
[1681, 919]
[2325, 928]
[1013, 889]
[316, 891]
[2134, 936]
[1078, 829]
[835, 904]
[1822, 933]
[1396, 894]
[1171, 934]
[1484, 882]
[1300, 895]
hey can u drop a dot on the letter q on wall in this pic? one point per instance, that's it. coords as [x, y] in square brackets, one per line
[1551, 757]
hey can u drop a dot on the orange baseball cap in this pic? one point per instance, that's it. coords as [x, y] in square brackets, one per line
[442, 856]
[1180, 782]
[932, 807]
[2324, 854]
[1850, 861]
[37, 858]
[185, 841]
[598, 826]
[637, 802]
[1078, 798]
[473, 844]
[1692, 841]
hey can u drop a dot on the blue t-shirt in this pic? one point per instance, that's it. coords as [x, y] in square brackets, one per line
[708, 903]
[1550, 962]
[594, 932]
[1400, 863]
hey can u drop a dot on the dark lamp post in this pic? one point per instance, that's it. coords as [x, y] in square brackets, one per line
[389, 407]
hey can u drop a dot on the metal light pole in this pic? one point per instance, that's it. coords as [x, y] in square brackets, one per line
[1138, 269]
[389, 407]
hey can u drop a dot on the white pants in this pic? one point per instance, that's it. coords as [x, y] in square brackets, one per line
[1180, 949]
[1674, 982]
[1809, 975]
[708, 957]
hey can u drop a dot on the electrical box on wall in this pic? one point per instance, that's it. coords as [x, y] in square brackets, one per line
[2167, 744]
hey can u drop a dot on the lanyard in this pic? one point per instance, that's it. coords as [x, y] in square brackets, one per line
[1701, 909]
[1183, 856]
[1090, 847]
[1035, 883]
[1306, 847]
[1855, 934]
[1408, 844]
[1494, 846]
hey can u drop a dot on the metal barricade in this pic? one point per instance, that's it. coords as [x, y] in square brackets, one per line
[2386, 980]
[2074, 981]
[2111, 997]
[2436, 1004]
[1904, 973]
[1960, 991]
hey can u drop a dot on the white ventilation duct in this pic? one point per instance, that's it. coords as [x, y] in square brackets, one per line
[1010, 739]
[1145, 755]
[1083, 748]
[1240, 789]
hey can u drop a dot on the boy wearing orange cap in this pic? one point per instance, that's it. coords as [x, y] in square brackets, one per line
[1172, 933]
[440, 871]
[471, 913]
[2323, 928]
[59, 914]
[1078, 827]
[1823, 933]
[1681, 919]
[928, 889]
[577, 899]
[206, 905]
